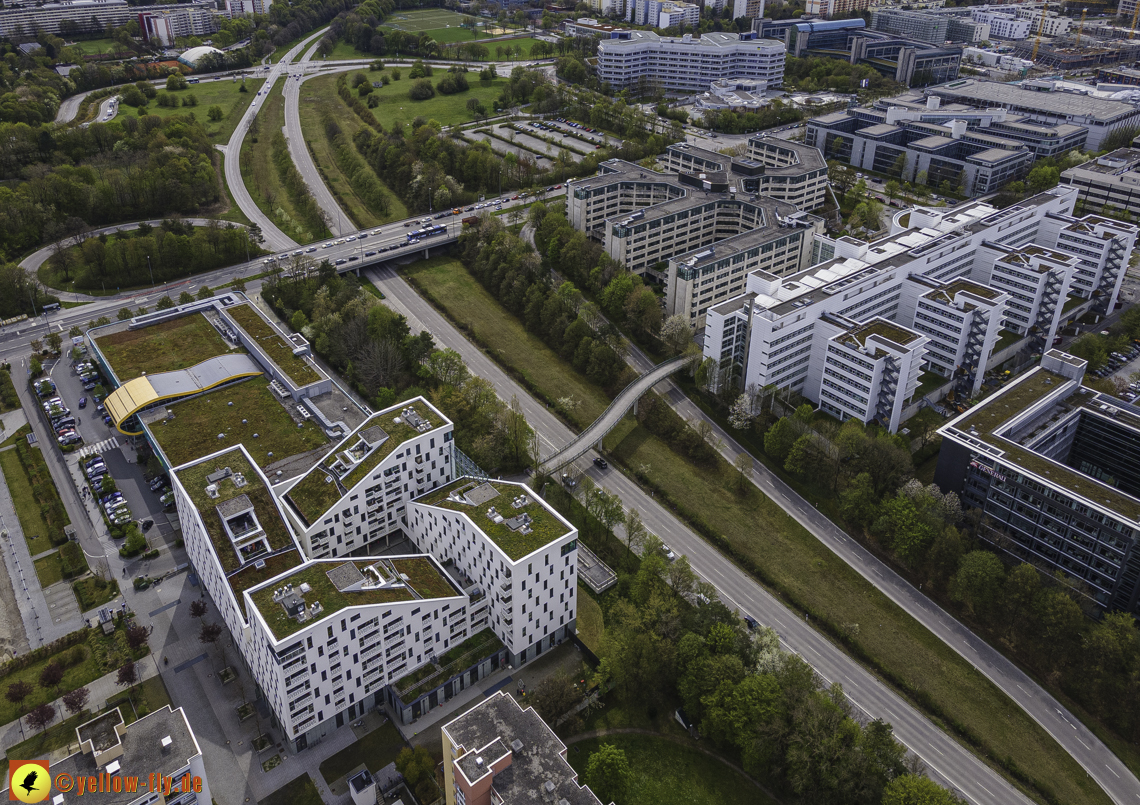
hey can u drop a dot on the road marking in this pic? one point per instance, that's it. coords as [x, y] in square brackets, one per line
[936, 749]
[1114, 774]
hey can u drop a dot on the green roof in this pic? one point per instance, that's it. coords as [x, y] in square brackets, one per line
[193, 478]
[315, 493]
[250, 575]
[971, 287]
[998, 409]
[279, 350]
[544, 526]
[457, 659]
[164, 347]
[884, 328]
[425, 581]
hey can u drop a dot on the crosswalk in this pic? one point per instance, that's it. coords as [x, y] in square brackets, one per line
[101, 447]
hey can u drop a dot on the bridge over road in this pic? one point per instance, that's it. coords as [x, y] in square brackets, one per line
[613, 414]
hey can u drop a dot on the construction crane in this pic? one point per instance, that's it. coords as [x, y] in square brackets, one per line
[1041, 28]
[1081, 29]
[1132, 32]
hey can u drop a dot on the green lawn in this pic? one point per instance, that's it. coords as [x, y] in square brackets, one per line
[49, 568]
[318, 97]
[98, 47]
[223, 92]
[176, 344]
[197, 422]
[421, 20]
[18, 435]
[448, 284]
[781, 552]
[666, 773]
[447, 110]
[591, 621]
[376, 750]
[300, 791]
[505, 54]
[93, 592]
[32, 521]
[60, 735]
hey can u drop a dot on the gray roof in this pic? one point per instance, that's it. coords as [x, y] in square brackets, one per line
[498, 726]
[143, 753]
[991, 93]
[209, 372]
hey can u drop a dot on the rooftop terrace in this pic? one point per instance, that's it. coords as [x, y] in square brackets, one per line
[490, 505]
[356, 456]
[324, 587]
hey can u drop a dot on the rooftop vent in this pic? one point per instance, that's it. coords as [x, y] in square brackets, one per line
[239, 479]
[212, 490]
[548, 786]
[166, 742]
[516, 745]
[113, 767]
[259, 564]
[478, 762]
[57, 799]
[305, 587]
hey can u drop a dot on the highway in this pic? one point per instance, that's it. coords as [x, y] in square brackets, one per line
[951, 763]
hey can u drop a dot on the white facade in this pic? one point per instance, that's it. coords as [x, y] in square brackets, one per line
[1003, 26]
[750, 9]
[666, 14]
[686, 64]
[946, 281]
[1055, 25]
[95, 15]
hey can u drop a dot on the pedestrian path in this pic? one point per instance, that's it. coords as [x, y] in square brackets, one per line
[101, 447]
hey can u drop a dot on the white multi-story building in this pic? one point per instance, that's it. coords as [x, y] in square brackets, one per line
[1002, 25]
[165, 23]
[750, 9]
[688, 64]
[850, 332]
[1055, 24]
[73, 16]
[666, 14]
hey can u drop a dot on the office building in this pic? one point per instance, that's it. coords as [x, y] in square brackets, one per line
[589, 27]
[1054, 24]
[978, 150]
[1002, 25]
[687, 64]
[910, 24]
[349, 559]
[1118, 76]
[497, 752]
[1099, 115]
[1108, 182]
[710, 223]
[78, 16]
[1052, 464]
[959, 29]
[666, 14]
[852, 332]
[161, 743]
[162, 24]
[830, 8]
[748, 9]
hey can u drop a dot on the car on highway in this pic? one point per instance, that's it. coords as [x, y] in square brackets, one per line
[340, 242]
[327, 245]
[409, 223]
[269, 260]
[349, 239]
[601, 463]
[376, 231]
[341, 262]
[354, 257]
[370, 254]
[362, 236]
[298, 253]
[668, 552]
[310, 250]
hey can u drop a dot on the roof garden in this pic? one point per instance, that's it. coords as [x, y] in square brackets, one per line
[262, 570]
[243, 481]
[176, 344]
[509, 514]
[244, 413]
[279, 349]
[987, 418]
[971, 287]
[455, 660]
[883, 328]
[357, 455]
[322, 588]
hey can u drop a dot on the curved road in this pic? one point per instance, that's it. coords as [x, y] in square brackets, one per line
[613, 414]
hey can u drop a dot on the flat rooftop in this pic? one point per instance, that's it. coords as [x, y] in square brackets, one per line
[1114, 163]
[324, 587]
[992, 93]
[987, 422]
[358, 454]
[143, 752]
[164, 347]
[884, 329]
[497, 726]
[509, 514]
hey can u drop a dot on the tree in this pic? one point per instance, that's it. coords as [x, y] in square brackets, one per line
[1042, 177]
[137, 636]
[210, 634]
[859, 502]
[204, 293]
[554, 696]
[608, 773]
[743, 465]
[124, 314]
[18, 691]
[185, 298]
[740, 414]
[41, 716]
[780, 439]
[165, 303]
[912, 789]
[215, 113]
[978, 582]
[447, 368]
[76, 700]
[198, 608]
[635, 531]
[51, 675]
[128, 674]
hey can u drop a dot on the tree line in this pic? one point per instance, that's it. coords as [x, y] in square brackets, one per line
[1042, 619]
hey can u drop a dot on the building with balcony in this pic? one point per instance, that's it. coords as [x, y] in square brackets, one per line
[666, 14]
[497, 752]
[686, 64]
[832, 8]
[916, 25]
[1052, 464]
[156, 757]
[853, 332]
[1003, 25]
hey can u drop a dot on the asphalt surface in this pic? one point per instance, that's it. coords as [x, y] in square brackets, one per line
[951, 763]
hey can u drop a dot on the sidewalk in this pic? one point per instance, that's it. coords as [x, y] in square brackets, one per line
[102, 690]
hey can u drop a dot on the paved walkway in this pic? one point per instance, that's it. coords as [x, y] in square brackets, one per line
[102, 690]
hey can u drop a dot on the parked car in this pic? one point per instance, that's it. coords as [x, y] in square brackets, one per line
[82, 402]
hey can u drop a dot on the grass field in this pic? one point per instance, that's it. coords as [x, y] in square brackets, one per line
[93, 592]
[262, 179]
[49, 569]
[667, 773]
[447, 110]
[32, 521]
[591, 621]
[319, 96]
[421, 20]
[194, 430]
[97, 47]
[376, 750]
[521, 52]
[792, 560]
[445, 281]
[176, 344]
[223, 93]
[300, 791]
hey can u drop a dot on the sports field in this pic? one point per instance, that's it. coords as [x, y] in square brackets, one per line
[442, 25]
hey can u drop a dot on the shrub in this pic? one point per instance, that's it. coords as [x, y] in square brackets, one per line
[135, 544]
[421, 90]
[71, 556]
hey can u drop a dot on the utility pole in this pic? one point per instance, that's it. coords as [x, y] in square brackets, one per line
[148, 265]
